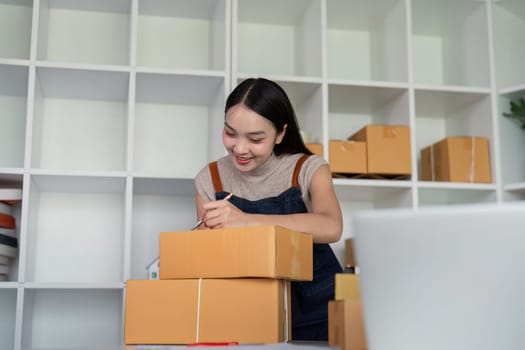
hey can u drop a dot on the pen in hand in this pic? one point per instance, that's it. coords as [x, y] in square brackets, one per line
[198, 223]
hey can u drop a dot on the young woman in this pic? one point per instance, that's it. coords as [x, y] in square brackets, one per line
[275, 180]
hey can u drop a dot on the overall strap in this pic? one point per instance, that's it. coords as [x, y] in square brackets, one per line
[298, 165]
[215, 177]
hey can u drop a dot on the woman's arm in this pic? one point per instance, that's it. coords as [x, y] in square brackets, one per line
[325, 221]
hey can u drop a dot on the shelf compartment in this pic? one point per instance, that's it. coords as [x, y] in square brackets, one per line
[7, 318]
[450, 43]
[13, 110]
[367, 40]
[441, 114]
[183, 34]
[278, 37]
[83, 111]
[512, 141]
[509, 30]
[357, 195]
[75, 229]
[446, 195]
[72, 319]
[159, 205]
[168, 124]
[80, 31]
[15, 28]
[351, 107]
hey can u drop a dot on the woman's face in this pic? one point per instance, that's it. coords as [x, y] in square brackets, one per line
[249, 137]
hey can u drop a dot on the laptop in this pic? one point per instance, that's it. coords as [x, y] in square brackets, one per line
[443, 277]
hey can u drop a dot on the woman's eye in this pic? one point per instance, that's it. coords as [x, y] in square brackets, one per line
[256, 140]
[229, 133]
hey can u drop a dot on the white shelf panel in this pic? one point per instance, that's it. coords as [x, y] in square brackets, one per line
[437, 196]
[167, 124]
[456, 186]
[94, 32]
[75, 230]
[352, 107]
[450, 43]
[74, 286]
[509, 29]
[195, 31]
[51, 319]
[13, 110]
[286, 41]
[370, 190]
[15, 28]
[515, 89]
[518, 187]
[367, 40]
[452, 89]
[7, 317]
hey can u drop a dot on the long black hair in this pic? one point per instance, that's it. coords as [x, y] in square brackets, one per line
[269, 100]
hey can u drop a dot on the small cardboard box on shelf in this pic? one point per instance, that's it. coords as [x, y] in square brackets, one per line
[256, 251]
[186, 311]
[457, 159]
[315, 148]
[347, 157]
[387, 149]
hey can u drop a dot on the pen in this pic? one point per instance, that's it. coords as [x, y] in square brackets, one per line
[198, 223]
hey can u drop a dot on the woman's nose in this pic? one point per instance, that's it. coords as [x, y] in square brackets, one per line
[241, 146]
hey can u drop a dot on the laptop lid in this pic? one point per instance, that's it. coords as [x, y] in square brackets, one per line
[443, 277]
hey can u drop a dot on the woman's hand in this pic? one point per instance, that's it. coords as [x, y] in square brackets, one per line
[221, 214]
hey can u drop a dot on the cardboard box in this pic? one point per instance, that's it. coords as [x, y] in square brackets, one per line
[347, 157]
[349, 253]
[387, 149]
[347, 286]
[257, 251]
[346, 327]
[457, 159]
[207, 310]
[315, 148]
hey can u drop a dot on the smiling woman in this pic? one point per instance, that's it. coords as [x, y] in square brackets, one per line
[275, 181]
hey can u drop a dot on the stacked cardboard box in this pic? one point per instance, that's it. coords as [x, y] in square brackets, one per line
[228, 285]
[315, 148]
[457, 159]
[346, 328]
[375, 150]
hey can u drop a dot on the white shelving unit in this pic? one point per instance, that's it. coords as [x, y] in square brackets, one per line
[110, 107]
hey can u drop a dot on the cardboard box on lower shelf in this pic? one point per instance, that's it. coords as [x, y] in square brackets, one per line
[207, 310]
[256, 251]
[457, 159]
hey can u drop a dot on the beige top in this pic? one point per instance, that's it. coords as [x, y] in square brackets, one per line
[268, 180]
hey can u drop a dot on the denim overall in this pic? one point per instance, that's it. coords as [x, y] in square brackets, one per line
[309, 299]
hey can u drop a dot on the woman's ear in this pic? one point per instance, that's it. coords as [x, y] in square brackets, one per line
[280, 135]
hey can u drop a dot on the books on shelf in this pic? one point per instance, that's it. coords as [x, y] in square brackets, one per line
[8, 233]
[10, 195]
[7, 221]
[9, 251]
